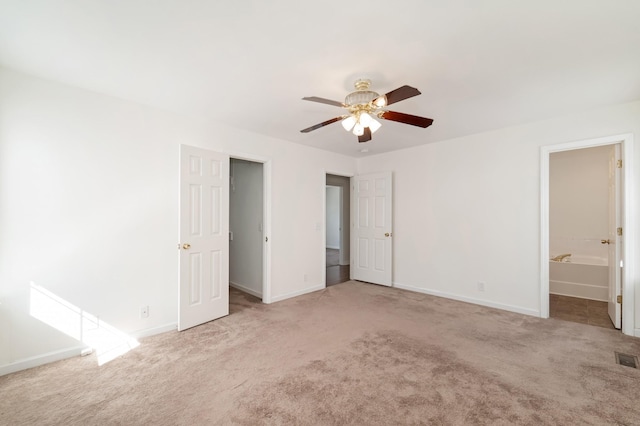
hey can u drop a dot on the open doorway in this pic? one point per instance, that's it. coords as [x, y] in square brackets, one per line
[337, 235]
[618, 241]
[246, 226]
[583, 218]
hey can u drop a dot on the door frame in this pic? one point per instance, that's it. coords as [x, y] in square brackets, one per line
[266, 217]
[628, 202]
[324, 219]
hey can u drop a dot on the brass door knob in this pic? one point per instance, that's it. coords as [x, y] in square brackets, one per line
[186, 246]
[386, 234]
[605, 241]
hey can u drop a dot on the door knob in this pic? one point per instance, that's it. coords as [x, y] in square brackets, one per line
[186, 246]
[605, 241]
[386, 234]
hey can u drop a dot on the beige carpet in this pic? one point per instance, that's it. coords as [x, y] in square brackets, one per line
[353, 354]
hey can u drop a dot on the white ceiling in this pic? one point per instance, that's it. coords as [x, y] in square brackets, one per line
[480, 65]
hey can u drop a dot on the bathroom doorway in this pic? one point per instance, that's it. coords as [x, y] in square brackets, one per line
[580, 182]
[583, 190]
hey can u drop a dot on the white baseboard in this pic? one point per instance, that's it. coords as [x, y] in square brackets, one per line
[146, 332]
[334, 247]
[245, 289]
[38, 360]
[298, 293]
[636, 332]
[510, 308]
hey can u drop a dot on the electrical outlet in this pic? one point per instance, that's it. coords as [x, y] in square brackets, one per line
[144, 312]
[480, 285]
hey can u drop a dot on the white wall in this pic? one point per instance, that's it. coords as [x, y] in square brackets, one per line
[579, 201]
[468, 209]
[333, 217]
[89, 209]
[246, 224]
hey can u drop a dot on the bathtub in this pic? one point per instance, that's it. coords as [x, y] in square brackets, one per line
[586, 277]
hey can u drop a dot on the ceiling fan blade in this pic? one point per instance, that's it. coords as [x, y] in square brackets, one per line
[324, 123]
[324, 101]
[401, 93]
[400, 117]
[366, 136]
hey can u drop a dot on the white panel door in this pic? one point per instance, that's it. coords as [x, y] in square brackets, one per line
[204, 236]
[615, 308]
[371, 222]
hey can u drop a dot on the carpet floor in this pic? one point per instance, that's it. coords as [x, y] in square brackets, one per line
[352, 354]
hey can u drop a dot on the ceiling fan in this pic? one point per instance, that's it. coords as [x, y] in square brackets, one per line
[363, 105]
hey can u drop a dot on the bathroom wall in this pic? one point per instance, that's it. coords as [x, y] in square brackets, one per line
[579, 201]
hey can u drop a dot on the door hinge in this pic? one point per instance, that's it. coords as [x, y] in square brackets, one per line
[620, 231]
[619, 164]
[619, 298]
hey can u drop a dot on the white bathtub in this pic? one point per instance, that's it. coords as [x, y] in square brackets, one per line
[586, 277]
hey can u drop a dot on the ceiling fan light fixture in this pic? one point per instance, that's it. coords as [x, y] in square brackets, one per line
[363, 105]
[380, 101]
[365, 119]
[374, 125]
[348, 123]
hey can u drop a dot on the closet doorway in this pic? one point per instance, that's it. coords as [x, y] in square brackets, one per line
[246, 226]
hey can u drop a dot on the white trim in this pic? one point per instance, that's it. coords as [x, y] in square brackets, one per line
[629, 242]
[147, 332]
[298, 293]
[266, 279]
[245, 289]
[333, 247]
[38, 360]
[636, 332]
[482, 302]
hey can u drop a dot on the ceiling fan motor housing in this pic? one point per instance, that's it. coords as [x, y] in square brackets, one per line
[362, 95]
